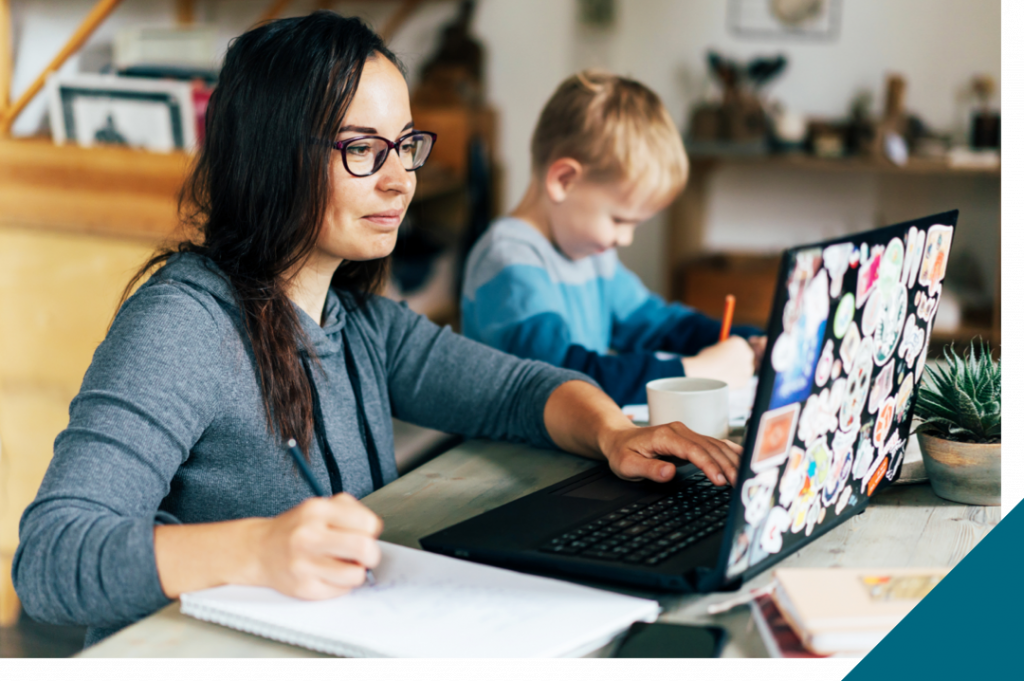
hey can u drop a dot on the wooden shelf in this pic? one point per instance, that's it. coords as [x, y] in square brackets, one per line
[113, 191]
[914, 166]
[107, 191]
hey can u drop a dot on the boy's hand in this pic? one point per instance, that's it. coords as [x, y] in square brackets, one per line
[731, 360]
[758, 345]
[632, 453]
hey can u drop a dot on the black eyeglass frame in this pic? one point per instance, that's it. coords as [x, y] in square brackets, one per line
[392, 146]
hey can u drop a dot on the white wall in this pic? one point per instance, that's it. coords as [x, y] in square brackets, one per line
[938, 45]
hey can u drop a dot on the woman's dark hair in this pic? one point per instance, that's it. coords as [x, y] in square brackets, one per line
[259, 190]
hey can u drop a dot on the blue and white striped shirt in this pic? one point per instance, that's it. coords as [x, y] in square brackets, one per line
[522, 296]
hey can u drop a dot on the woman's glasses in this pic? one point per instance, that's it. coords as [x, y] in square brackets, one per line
[364, 156]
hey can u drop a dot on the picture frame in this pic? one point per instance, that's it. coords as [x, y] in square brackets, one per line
[96, 109]
[810, 20]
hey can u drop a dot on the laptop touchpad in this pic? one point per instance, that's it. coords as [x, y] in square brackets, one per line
[602, 489]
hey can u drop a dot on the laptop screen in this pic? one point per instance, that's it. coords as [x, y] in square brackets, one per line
[847, 343]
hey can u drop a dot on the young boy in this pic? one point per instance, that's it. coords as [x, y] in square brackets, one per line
[545, 283]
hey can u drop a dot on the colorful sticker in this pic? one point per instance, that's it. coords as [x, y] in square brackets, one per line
[774, 527]
[756, 495]
[867, 275]
[881, 388]
[869, 319]
[891, 267]
[936, 255]
[818, 459]
[837, 369]
[844, 498]
[774, 436]
[903, 397]
[796, 360]
[926, 308]
[819, 413]
[837, 260]
[821, 375]
[844, 315]
[857, 387]
[848, 350]
[838, 472]
[886, 413]
[865, 452]
[890, 322]
[793, 478]
[913, 340]
[912, 261]
[843, 442]
[881, 466]
[801, 507]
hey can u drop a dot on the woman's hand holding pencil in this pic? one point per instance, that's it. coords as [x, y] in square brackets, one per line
[322, 548]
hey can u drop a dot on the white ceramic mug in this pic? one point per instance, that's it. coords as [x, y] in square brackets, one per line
[701, 404]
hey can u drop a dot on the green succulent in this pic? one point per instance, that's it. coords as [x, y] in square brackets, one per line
[961, 400]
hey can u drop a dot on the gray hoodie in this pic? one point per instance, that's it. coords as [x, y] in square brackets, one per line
[169, 427]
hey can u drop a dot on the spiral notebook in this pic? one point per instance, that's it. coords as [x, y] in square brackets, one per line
[427, 605]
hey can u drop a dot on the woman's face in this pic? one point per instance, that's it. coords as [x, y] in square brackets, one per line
[363, 214]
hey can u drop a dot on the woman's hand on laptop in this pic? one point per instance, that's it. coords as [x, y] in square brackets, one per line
[634, 454]
[583, 420]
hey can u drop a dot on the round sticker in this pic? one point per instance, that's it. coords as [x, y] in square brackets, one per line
[844, 315]
[891, 267]
[890, 323]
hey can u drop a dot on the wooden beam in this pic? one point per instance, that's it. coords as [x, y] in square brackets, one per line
[97, 16]
[6, 55]
[274, 11]
[400, 16]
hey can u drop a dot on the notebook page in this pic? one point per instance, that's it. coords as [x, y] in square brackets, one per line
[427, 605]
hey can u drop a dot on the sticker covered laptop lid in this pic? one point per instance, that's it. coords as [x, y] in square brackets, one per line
[847, 345]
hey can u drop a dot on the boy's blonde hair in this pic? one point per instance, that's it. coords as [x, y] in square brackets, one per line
[617, 128]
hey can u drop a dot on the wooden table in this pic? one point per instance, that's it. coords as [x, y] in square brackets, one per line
[904, 526]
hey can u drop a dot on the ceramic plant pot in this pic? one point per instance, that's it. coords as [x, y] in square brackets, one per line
[964, 472]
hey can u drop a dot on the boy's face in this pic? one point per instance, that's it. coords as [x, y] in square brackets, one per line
[592, 217]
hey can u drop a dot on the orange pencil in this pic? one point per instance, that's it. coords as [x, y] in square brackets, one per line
[730, 305]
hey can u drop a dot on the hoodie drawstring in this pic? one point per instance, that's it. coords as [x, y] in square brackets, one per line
[364, 429]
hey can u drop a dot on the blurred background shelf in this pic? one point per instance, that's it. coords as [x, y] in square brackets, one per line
[701, 277]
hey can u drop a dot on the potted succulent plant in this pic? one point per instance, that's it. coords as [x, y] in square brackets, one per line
[960, 429]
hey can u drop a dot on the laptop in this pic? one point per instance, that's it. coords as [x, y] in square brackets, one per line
[847, 343]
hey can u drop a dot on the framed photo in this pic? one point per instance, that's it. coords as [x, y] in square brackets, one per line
[816, 20]
[91, 110]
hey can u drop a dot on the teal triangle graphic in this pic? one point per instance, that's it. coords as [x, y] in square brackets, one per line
[970, 623]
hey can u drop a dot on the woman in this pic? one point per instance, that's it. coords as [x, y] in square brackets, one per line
[173, 474]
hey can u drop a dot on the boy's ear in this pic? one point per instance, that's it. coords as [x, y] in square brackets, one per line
[562, 175]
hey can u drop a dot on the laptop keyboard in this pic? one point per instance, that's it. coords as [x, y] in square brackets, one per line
[649, 533]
